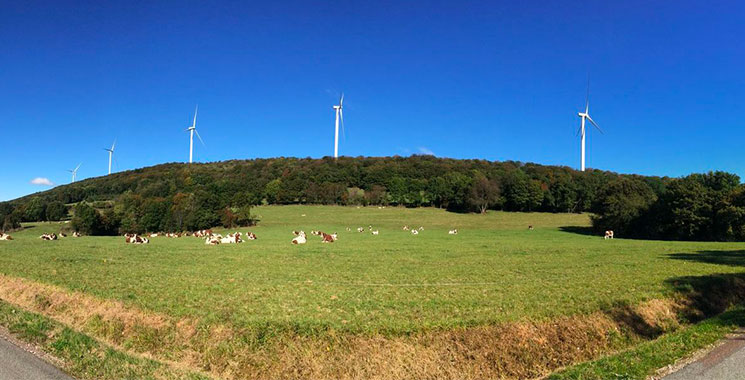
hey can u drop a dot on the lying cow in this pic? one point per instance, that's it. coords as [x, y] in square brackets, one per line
[608, 234]
[360, 229]
[48, 237]
[234, 238]
[375, 232]
[415, 232]
[300, 238]
[251, 236]
[4, 236]
[135, 239]
[453, 232]
[326, 238]
[212, 240]
[76, 234]
[62, 235]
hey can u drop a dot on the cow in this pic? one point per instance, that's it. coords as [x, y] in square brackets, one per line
[251, 236]
[360, 229]
[421, 228]
[530, 227]
[233, 238]
[211, 240]
[406, 228]
[300, 238]
[76, 234]
[62, 235]
[608, 234]
[415, 232]
[453, 232]
[48, 237]
[153, 235]
[4, 236]
[135, 239]
[349, 229]
[375, 232]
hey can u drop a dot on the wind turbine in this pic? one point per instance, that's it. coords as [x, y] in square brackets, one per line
[586, 116]
[193, 129]
[339, 116]
[75, 172]
[111, 153]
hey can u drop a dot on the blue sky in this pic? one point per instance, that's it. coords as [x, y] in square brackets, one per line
[496, 80]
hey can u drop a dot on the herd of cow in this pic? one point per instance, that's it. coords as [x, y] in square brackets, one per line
[211, 238]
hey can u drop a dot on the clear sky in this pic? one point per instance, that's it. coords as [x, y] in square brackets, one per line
[499, 80]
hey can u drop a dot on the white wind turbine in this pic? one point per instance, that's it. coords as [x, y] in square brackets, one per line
[111, 153]
[585, 116]
[75, 171]
[193, 129]
[339, 117]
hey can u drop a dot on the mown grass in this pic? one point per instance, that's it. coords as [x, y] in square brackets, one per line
[645, 359]
[84, 357]
[495, 270]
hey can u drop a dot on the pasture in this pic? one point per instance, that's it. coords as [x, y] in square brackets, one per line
[494, 271]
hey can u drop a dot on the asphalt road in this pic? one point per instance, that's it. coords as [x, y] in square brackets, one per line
[726, 362]
[19, 364]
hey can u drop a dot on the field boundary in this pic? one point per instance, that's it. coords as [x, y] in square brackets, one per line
[516, 349]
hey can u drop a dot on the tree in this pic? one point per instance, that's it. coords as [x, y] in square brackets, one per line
[56, 211]
[484, 193]
[35, 210]
[623, 203]
[86, 220]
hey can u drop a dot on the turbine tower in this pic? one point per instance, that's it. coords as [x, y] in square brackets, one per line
[339, 117]
[582, 131]
[111, 153]
[75, 172]
[193, 129]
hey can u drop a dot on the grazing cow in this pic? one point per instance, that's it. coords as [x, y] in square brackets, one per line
[453, 232]
[375, 232]
[360, 229]
[4, 236]
[76, 234]
[300, 238]
[48, 237]
[406, 228]
[415, 232]
[250, 236]
[608, 234]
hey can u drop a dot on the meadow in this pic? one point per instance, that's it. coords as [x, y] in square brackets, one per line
[495, 271]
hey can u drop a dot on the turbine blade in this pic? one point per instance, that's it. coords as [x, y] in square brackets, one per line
[595, 124]
[587, 97]
[194, 123]
[341, 101]
[199, 137]
[113, 145]
[341, 116]
[78, 167]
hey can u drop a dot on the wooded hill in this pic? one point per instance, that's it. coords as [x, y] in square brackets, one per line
[176, 196]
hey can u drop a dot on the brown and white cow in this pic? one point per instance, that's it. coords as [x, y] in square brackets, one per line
[375, 232]
[453, 232]
[326, 238]
[62, 235]
[300, 238]
[76, 234]
[48, 237]
[415, 232]
[4, 236]
[135, 239]
[233, 238]
[212, 240]
[608, 234]
[251, 236]
[360, 229]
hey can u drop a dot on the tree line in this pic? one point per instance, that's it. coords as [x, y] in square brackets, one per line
[177, 197]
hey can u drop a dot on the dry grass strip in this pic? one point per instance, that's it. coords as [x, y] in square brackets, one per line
[510, 350]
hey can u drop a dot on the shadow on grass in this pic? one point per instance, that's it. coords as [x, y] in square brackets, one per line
[731, 258]
[696, 298]
[578, 230]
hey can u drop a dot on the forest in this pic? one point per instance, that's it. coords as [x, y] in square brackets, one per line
[179, 197]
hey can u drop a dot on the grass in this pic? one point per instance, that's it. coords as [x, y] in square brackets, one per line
[394, 285]
[645, 359]
[87, 358]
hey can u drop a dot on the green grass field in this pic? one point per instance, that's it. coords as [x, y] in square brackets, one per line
[495, 270]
